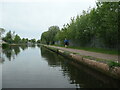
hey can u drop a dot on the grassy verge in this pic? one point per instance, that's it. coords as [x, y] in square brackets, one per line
[99, 50]
[110, 63]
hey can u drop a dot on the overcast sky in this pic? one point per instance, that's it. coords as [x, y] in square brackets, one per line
[29, 18]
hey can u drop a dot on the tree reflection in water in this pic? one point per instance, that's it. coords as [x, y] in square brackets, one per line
[77, 74]
[2, 60]
[33, 46]
[80, 75]
[13, 51]
[51, 58]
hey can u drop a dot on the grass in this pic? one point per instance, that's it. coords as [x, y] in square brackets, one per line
[110, 63]
[99, 50]
[89, 57]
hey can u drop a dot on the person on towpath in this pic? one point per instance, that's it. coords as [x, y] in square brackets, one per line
[66, 42]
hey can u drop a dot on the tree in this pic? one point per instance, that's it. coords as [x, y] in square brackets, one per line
[45, 38]
[95, 26]
[52, 32]
[33, 40]
[38, 41]
[2, 30]
[49, 36]
[8, 38]
[24, 40]
[108, 26]
[17, 39]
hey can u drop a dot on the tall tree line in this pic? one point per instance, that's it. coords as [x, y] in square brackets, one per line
[100, 23]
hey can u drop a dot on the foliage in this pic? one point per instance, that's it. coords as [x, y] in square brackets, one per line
[12, 38]
[2, 30]
[33, 40]
[38, 41]
[9, 37]
[17, 39]
[108, 26]
[49, 36]
[24, 40]
[97, 23]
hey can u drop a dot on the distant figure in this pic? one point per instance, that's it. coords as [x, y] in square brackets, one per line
[66, 42]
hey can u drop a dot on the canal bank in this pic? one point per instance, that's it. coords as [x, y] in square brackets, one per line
[39, 67]
[107, 67]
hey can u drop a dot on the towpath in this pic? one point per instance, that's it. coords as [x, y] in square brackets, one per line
[88, 53]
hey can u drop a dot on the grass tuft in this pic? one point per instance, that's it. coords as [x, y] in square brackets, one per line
[113, 64]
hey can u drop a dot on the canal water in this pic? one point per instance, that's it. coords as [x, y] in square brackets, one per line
[38, 67]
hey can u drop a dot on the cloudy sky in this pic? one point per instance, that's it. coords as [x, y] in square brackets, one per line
[29, 18]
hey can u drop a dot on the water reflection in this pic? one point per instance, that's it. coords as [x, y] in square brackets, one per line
[13, 51]
[32, 45]
[2, 60]
[36, 71]
[51, 57]
[79, 75]
[23, 47]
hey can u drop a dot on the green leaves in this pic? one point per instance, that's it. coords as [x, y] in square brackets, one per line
[9, 37]
[49, 37]
[12, 38]
[100, 23]
[17, 39]
[108, 26]
[2, 30]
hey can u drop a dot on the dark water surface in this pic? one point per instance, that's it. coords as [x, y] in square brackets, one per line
[37, 67]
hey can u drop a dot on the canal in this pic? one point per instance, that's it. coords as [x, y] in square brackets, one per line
[38, 67]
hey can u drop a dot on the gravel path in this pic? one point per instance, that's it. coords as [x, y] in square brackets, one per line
[88, 53]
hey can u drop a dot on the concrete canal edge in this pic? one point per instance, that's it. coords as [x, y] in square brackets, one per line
[113, 72]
